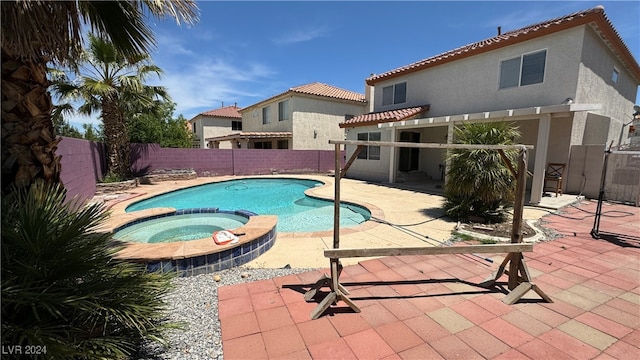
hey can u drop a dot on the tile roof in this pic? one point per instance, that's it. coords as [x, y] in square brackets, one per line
[253, 135]
[595, 17]
[384, 116]
[318, 89]
[226, 112]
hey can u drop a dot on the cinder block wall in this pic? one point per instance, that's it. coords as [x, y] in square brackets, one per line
[83, 163]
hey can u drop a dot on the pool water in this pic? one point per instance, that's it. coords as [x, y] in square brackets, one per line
[282, 197]
[182, 227]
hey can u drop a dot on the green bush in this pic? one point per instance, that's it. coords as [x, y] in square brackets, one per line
[61, 286]
[478, 182]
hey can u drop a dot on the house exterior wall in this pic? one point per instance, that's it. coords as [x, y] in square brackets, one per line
[305, 115]
[372, 170]
[210, 126]
[595, 86]
[471, 85]
[316, 121]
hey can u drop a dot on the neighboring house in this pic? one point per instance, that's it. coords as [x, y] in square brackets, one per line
[302, 118]
[215, 123]
[567, 83]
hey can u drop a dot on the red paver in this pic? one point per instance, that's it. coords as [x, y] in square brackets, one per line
[401, 308]
[317, 331]
[245, 348]
[568, 344]
[377, 315]
[262, 286]
[283, 340]
[399, 336]
[506, 332]
[605, 325]
[451, 347]
[239, 325]
[335, 349]
[473, 312]
[482, 342]
[266, 300]
[420, 352]
[347, 324]
[368, 344]
[233, 291]
[538, 349]
[270, 319]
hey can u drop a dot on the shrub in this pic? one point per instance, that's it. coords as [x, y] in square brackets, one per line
[478, 183]
[63, 289]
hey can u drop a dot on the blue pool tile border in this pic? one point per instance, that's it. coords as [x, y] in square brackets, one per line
[209, 263]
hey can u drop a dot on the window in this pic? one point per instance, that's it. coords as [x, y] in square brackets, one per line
[348, 117]
[283, 144]
[265, 115]
[193, 127]
[369, 152]
[283, 110]
[394, 94]
[615, 75]
[236, 125]
[524, 70]
[262, 145]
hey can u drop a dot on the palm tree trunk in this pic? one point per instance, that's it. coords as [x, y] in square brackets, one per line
[116, 139]
[28, 138]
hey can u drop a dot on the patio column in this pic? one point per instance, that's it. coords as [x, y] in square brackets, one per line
[540, 163]
[392, 157]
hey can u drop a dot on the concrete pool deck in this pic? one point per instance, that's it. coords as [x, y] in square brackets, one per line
[404, 217]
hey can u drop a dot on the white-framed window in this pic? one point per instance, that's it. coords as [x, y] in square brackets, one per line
[265, 115]
[370, 152]
[523, 70]
[236, 125]
[283, 110]
[394, 94]
[615, 76]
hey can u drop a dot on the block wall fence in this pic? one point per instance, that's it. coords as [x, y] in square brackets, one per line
[84, 162]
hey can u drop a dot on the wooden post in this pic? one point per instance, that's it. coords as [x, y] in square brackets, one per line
[518, 210]
[336, 200]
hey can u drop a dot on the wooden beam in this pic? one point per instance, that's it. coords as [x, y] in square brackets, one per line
[354, 156]
[431, 145]
[399, 251]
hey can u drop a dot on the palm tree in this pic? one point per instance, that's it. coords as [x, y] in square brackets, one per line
[115, 85]
[35, 33]
[478, 182]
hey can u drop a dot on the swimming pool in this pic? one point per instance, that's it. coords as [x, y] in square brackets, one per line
[283, 197]
[178, 227]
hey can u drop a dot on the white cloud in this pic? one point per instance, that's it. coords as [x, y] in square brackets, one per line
[303, 35]
[206, 84]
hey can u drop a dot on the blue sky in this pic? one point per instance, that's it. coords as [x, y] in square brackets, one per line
[244, 52]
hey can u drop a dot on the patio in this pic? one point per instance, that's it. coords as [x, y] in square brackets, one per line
[427, 307]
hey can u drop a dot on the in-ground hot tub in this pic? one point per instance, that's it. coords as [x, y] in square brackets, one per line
[179, 226]
[180, 241]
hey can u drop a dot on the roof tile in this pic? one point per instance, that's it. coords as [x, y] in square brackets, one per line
[595, 16]
[384, 116]
[226, 112]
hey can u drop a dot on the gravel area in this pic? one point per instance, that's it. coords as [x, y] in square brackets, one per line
[194, 302]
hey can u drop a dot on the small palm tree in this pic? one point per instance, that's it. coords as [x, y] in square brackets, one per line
[61, 286]
[113, 84]
[34, 33]
[478, 183]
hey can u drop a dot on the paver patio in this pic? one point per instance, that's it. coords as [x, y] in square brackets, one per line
[427, 307]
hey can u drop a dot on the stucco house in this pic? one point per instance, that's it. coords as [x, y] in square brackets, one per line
[568, 83]
[213, 123]
[302, 118]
